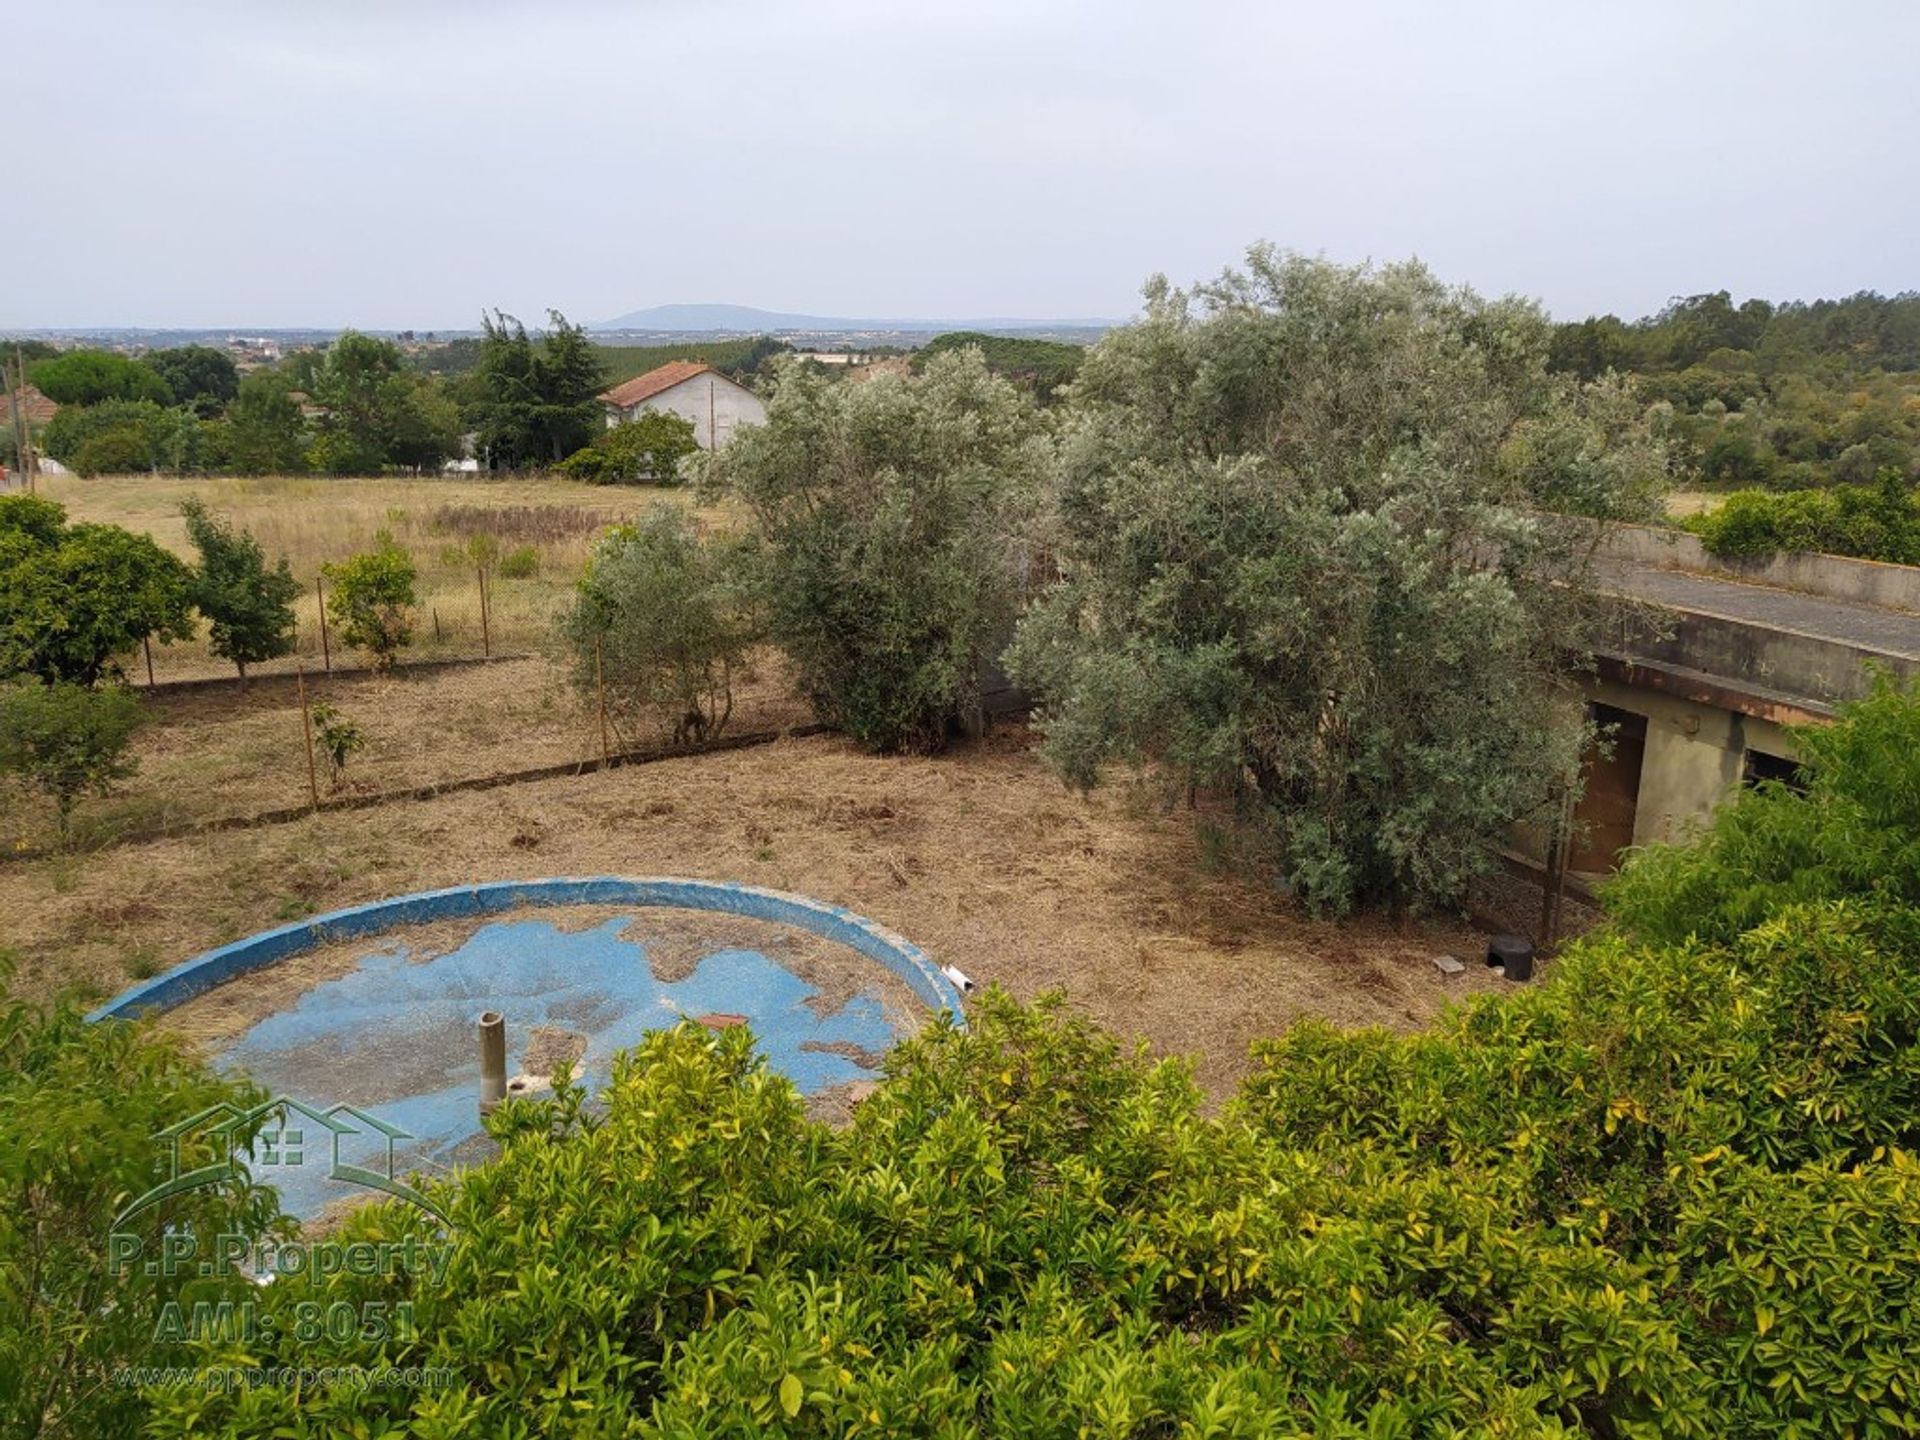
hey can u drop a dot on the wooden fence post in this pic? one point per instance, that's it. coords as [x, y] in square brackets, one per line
[600, 692]
[326, 649]
[306, 724]
[486, 636]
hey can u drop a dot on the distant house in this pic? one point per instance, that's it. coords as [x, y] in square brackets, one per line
[36, 407]
[716, 405]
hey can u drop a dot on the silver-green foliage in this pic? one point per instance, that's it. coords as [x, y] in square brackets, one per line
[890, 513]
[1295, 568]
[665, 619]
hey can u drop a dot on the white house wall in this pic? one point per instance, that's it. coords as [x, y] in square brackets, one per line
[702, 396]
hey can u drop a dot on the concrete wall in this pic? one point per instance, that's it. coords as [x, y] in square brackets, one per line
[1695, 758]
[1696, 755]
[729, 405]
[1866, 582]
[1782, 663]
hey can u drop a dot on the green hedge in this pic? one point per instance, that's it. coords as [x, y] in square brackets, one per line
[1869, 522]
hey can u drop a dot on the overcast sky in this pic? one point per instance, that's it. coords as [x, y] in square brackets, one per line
[404, 163]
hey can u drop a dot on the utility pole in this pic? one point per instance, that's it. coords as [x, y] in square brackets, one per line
[711, 437]
[16, 394]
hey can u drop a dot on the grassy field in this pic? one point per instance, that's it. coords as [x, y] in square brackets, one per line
[312, 520]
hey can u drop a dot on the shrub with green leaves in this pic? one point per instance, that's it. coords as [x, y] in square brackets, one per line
[1669, 1191]
[1870, 522]
[67, 740]
[372, 600]
[892, 516]
[249, 606]
[665, 619]
[1846, 833]
[648, 450]
[520, 563]
[73, 598]
[80, 1106]
[339, 738]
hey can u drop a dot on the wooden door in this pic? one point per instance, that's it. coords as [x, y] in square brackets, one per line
[1603, 820]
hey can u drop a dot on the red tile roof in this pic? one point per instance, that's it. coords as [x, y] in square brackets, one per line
[39, 409]
[644, 387]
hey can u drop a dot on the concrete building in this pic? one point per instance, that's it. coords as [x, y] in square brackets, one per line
[1714, 658]
[716, 405]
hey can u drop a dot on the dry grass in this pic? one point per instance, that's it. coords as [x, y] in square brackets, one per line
[315, 520]
[979, 856]
[1684, 503]
[208, 754]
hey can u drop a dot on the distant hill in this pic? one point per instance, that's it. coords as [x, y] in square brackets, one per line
[746, 320]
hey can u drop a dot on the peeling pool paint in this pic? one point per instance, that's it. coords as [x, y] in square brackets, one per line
[397, 1038]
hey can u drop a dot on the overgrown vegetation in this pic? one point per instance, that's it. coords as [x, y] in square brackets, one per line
[1042, 366]
[1669, 1191]
[890, 515]
[665, 621]
[1777, 396]
[79, 1107]
[1301, 566]
[1871, 522]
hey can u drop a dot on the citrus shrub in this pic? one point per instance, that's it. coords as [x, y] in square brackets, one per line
[80, 1105]
[373, 599]
[1669, 1191]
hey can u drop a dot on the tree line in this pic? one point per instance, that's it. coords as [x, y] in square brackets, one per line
[362, 405]
[1783, 397]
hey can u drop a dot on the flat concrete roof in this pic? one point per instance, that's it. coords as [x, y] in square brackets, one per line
[1865, 627]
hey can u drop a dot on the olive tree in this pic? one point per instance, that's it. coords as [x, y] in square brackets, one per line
[665, 619]
[1296, 574]
[890, 516]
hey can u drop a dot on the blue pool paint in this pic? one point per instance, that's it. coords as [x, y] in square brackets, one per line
[876, 942]
[397, 1039]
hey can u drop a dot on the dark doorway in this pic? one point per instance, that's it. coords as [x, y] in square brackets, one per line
[1603, 820]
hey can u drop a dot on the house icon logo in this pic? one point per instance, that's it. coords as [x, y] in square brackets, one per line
[280, 1134]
